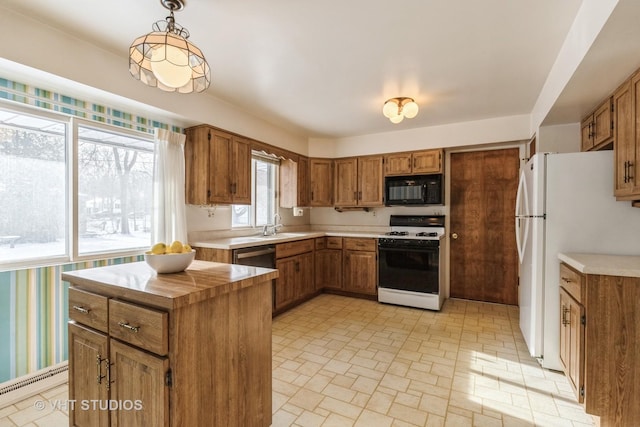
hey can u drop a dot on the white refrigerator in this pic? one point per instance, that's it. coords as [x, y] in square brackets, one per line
[565, 203]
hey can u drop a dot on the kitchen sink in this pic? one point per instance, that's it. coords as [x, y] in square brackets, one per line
[278, 236]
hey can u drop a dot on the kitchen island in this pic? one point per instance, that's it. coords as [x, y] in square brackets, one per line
[190, 348]
[600, 334]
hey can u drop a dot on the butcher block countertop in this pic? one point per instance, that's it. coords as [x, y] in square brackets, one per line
[606, 265]
[137, 281]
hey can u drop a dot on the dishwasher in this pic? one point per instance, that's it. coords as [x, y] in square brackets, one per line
[256, 256]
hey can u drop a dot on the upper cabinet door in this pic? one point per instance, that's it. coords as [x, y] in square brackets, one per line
[240, 174]
[304, 183]
[370, 181]
[196, 156]
[220, 167]
[321, 177]
[346, 182]
[624, 141]
[427, 162]
[397, 164]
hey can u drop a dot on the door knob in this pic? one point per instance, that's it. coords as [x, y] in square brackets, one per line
[454, 236]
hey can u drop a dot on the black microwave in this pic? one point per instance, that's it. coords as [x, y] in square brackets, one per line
[413, 190]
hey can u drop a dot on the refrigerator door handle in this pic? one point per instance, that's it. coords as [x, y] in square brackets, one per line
[522, 214]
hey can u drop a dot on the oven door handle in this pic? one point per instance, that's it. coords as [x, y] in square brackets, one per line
[404, 249]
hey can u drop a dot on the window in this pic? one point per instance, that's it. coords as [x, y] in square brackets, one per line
[115, 185]
[114, 170]
[264, 182]
[33, 153]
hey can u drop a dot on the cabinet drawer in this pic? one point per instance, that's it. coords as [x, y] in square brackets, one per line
[571, 281]
[357, 244]
[334, 242]
[321, 243]
[288, 249]
[140, 326]
[88, 309]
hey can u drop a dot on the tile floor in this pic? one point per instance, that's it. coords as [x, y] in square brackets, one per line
[341, 361]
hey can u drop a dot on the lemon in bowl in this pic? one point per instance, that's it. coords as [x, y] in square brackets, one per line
[172, 258]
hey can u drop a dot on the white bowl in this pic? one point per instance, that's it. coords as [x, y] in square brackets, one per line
[170, 263]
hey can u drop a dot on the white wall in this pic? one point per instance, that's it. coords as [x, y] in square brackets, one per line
[559, 138]
[590, 20]
[445, 136]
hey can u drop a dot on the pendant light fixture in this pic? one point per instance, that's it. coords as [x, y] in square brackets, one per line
[396, 109]
[165, 59]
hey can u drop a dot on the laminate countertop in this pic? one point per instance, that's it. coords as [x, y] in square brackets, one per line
[137, 281]
[607, 265]
[257, 240]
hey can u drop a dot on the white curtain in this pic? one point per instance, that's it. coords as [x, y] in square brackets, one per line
[169, 213]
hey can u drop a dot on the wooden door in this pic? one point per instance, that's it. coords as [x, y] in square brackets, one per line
[321, 177]
[484, 261]
[586, 135]
[346, 182]
[602, 122]
[220, 167]
[196, 163]
[304, 184]
[425, 162]
[284, 287]
[370, 181]
[241, 171]
[360, 272]
[88, 355]
[397, 164]
[624, 138]
[304, 276]
[138, 378]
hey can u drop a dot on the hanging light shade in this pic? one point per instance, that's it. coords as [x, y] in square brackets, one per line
[165, 59]
[396, 109]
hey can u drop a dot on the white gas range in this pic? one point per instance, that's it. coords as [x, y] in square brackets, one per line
[410, 257]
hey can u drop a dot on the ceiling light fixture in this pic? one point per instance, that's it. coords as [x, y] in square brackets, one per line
[396, 109]
[165, 59]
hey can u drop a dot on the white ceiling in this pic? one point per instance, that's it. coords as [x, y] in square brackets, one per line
[324, 69]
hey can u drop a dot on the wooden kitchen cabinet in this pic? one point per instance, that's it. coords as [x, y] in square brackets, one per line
[360, 265]
[103, 369]
[572, 341]
[164, 347]
[295, 183]
[359, 182]
[413, 163]
[295, 263]
[626, 101]
[329, 263]
[217, 167]
[321, 181]
[598, 127]
[598, 345]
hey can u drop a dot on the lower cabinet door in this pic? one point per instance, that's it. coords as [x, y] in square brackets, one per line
[88, 354]
[138, 391]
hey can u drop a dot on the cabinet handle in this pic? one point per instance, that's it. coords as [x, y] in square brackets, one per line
[414, 162]
[99, 375]
[565, 280]
[108, 374]
[81, 309]
[126, 325]
[629, 176]
[359, 195]
[565, 321]
[312, 196]
[624, 178]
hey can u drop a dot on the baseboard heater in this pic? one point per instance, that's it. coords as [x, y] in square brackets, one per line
[28, 385]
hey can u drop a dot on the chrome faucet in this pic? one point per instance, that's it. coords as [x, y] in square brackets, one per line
[273, 227]
[277, 225]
